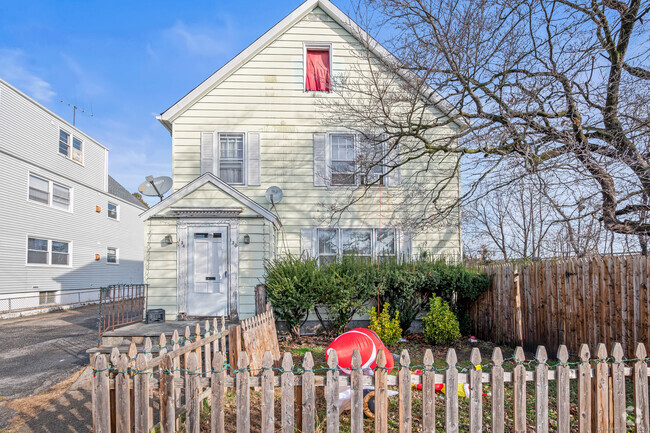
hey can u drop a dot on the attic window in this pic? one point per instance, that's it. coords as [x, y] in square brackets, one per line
[318, 70]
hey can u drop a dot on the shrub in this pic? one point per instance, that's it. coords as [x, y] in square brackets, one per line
[388, 329]
[440, 325]
[400, 288]
[350, 283]
[290, 283]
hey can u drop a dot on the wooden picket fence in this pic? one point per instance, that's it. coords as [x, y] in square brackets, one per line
[598, 299]
[182, 381]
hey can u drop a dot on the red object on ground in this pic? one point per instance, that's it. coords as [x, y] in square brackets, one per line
[318, 71]
[368, 344]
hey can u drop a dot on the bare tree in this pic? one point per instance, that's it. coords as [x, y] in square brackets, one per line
[555, 87]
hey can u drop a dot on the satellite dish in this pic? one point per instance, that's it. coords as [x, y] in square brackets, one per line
[156, 186]
[274, 194]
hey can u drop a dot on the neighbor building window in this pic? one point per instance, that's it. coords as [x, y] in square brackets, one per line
[362, 242]
[48, 252]
[111, 255]
[64, 143]
[50, 193]
[74, 152]
[113, 211]
[343, 159]
[46, 298]
[231, 158]
[318, 71]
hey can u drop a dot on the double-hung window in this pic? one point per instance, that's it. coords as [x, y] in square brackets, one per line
[231, 158]
[343, 167]
[64, 143]
[360, 242]
[48, 252]
[70, 146]
[49, 193]
[113, 211]
[111, 255]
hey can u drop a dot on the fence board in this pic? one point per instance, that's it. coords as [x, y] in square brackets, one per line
[584, 391]
[268, 397]
[428, 394]
[243, 395]
[405, 392]
[287, 379]
[451, 397]
[101, 396]
[308, 395]
[498, 392]
[563, 391]
[381, 394]
[618, 390]
[600, 394]
[642, 422]
[332, 393]
[356, 394]
[217, 413]
[142, 398]
[541, 391]
[167, 397]
[476, 393]
[193, 404]
[519, 390]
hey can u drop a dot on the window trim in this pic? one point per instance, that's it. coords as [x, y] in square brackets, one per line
[49, 252]
[322, 46]
[50, 192]
[71, 138]
[117, 211]
[217, 160]
[117, 256]
[375, 245]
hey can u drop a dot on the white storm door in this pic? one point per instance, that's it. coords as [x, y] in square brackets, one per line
[207, 272]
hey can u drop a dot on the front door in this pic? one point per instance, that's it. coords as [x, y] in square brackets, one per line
[208, 272]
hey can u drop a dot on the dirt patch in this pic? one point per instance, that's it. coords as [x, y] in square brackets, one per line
[30, 407]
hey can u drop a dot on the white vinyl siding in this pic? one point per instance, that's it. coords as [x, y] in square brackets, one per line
[49, 193]
[48, 252]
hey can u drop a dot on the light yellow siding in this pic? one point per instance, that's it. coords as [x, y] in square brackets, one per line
[266, 96]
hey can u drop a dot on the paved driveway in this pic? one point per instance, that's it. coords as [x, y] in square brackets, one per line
[40, 351]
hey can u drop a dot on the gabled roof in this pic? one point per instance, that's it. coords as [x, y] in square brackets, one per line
[168, 116]
[117, 190]
[220, 184]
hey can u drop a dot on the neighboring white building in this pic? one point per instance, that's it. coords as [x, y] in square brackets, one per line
[66, 224]
[258, 122]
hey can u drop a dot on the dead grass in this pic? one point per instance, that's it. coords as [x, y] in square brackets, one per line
[29, 407]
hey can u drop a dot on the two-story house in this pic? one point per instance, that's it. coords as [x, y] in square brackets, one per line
[66, 224]
[256, 123]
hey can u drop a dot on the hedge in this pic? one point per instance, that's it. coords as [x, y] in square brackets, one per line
[336, 291]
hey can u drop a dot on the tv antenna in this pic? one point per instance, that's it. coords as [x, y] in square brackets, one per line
[156, 186]
[74, 111]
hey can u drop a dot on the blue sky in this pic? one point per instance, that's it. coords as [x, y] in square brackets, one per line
[126, 61]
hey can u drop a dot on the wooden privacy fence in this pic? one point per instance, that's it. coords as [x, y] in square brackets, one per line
[591, 300]
[601, 392]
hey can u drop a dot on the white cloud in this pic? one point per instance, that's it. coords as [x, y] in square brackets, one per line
[14, 69]
[200, 40]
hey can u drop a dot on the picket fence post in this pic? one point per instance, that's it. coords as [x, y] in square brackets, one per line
[101, 396]
[332, 392]
[428, 394]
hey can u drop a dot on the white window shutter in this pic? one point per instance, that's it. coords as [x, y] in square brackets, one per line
[405, 244]
[307, 242]
[254, 166]
[394, 178]
[320, 159]
[207, 152]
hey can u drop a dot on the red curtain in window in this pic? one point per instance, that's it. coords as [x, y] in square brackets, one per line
[318, 71]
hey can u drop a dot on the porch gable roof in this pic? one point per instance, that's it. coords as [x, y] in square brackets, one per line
[218, 183]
